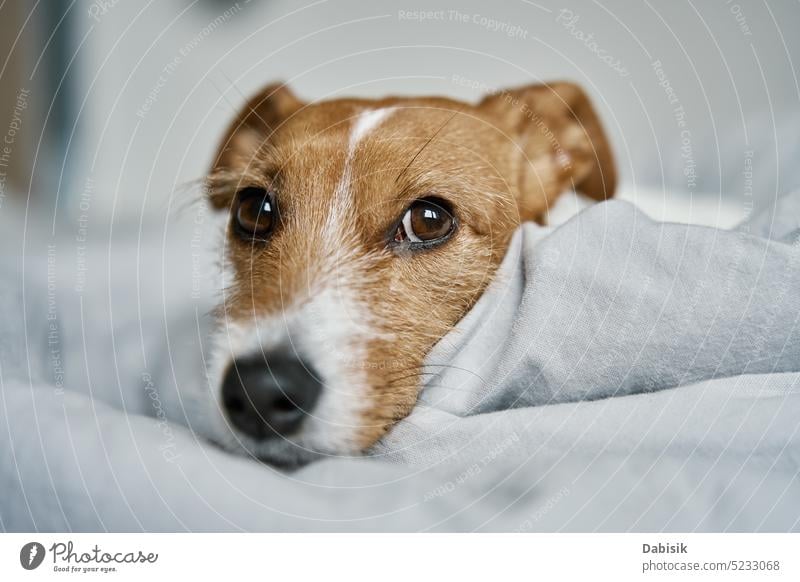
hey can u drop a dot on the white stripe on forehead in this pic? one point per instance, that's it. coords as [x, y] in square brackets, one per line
[366, 122]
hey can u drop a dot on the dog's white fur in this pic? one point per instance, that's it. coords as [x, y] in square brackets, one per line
[329, 327]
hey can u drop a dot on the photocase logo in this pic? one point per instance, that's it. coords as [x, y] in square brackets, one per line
[31, 555]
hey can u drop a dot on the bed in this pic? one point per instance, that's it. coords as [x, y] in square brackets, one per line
[620, 374]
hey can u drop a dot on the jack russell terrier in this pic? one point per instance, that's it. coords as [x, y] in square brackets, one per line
[357, 234]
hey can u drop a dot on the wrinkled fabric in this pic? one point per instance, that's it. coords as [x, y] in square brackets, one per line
[618, 375]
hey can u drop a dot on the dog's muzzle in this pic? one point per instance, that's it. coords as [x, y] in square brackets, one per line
[269, 396]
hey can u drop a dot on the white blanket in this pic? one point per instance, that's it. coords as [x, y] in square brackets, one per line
[619, 375]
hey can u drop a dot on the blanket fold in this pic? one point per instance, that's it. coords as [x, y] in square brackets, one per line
[619, 374]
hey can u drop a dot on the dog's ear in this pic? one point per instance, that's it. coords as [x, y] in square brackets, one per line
[558, 143]
[261, 116]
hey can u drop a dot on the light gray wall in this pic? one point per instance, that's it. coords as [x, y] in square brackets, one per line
[735, 79]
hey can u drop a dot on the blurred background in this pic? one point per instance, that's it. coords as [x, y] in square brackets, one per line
[109, 109]
[110, 114]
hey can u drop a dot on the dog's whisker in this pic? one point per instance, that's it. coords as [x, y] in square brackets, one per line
[425, 145]
[428, 387]
[416, 375]
[460, 369]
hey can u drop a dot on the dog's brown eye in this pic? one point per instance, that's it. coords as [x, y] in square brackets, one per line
[426, 220]
[256, 212]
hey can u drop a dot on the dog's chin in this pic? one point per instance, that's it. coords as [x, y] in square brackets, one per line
[283, 453]
[288, 453]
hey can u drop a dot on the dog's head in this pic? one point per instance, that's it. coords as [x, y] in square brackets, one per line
[358, 232]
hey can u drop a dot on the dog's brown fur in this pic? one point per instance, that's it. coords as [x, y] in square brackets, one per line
[500, 162]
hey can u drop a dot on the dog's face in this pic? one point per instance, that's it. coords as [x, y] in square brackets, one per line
[357, 234]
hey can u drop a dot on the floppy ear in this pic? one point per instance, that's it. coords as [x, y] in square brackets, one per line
[558, 143]
[252, 127]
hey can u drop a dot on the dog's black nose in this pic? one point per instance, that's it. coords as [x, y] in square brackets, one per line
[269, 397]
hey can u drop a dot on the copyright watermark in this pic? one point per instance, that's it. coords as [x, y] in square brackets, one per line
[491, 24]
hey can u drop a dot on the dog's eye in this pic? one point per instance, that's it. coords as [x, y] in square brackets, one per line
[426, 220]
[256, 212]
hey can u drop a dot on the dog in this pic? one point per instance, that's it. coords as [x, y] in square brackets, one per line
[357, 234]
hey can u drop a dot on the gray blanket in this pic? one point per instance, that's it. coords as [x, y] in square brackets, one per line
[619, 375]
